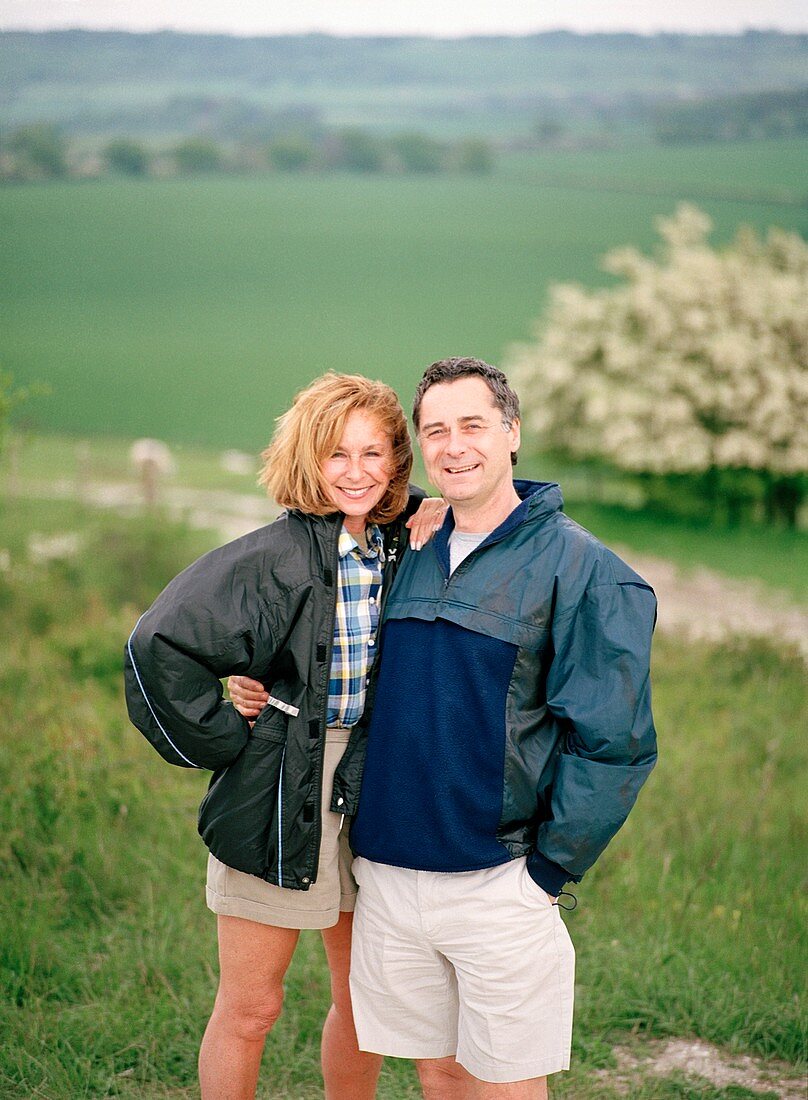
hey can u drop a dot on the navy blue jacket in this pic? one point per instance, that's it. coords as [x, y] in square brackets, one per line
[512, 709]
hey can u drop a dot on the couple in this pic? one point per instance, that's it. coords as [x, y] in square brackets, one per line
[499, 740]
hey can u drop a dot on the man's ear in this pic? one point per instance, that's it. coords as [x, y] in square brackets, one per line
[516, 434]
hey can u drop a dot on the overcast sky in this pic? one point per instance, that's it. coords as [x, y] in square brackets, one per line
[451, 17]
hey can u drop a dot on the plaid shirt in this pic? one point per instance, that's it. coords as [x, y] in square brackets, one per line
[356, 627]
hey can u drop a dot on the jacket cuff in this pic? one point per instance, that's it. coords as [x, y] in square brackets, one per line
[550, 876]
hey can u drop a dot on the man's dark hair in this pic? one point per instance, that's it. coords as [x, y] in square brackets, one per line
[449, 370]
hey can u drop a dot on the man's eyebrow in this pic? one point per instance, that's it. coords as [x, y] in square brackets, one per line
[461, 420]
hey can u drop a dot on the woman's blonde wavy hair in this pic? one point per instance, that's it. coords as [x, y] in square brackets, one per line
[311, 429]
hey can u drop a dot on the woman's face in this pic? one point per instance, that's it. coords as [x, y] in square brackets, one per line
[360, 469]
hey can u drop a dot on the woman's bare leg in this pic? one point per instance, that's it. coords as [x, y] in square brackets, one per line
[253, 959]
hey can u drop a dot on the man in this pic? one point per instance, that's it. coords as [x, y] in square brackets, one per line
[510, 734]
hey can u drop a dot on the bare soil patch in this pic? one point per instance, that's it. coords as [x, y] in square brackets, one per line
[697, 1059]
[706, 606]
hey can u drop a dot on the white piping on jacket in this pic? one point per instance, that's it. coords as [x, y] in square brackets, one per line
[148, 703]
[280, 819]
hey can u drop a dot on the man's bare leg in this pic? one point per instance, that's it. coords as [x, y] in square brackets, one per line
[446, 1079]
[441, 1079]
[349, 1073]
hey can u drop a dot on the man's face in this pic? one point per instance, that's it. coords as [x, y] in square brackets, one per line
[466, 449]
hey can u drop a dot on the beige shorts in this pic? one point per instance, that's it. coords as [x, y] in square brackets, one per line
[235, 894]
[475, 964]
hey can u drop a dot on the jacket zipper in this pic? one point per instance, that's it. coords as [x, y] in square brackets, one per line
[329, 650]
[322, 718]
[477, 549]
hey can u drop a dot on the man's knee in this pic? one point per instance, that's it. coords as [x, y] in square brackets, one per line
[439, 1076]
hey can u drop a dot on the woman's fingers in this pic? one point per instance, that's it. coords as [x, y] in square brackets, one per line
[426, 521]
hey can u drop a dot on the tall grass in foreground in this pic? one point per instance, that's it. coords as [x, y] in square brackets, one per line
[691, 924]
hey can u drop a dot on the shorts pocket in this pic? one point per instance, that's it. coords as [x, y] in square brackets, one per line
[534, 893]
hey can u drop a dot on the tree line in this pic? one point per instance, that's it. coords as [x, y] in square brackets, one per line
[780, 114]
[41, 151]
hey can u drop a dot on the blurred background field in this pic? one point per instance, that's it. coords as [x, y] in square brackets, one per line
[195, 226]
[59, 482]
[193, 310]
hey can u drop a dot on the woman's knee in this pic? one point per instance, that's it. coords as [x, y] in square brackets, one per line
[249, 1017]
[253, 961]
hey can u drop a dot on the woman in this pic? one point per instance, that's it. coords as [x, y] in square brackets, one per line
[297, 606]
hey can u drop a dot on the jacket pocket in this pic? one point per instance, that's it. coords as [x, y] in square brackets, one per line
[238, 817]
[271, 725]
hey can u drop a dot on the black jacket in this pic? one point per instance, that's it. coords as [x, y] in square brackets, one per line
[263, 606]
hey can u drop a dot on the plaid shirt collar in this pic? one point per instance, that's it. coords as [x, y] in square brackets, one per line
[375, 549]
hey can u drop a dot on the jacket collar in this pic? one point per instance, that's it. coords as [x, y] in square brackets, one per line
[539, 501]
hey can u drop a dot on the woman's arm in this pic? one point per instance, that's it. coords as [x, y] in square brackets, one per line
[202, 626]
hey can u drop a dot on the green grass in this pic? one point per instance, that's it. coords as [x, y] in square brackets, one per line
[192, 310]
[692, 924]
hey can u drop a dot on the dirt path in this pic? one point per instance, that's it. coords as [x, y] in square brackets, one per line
[704, 605]
[696, 603]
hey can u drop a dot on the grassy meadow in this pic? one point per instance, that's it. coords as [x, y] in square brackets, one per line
[192, 310]
[692, 924]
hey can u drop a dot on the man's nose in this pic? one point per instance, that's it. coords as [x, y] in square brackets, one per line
[456, 444]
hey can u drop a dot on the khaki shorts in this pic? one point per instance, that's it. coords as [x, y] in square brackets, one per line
[477, 965]
[235, 894]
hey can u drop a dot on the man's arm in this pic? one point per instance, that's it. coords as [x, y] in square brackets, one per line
[598, 686]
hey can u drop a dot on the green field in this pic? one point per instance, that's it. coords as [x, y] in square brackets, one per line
[777, 170]
[193, 310]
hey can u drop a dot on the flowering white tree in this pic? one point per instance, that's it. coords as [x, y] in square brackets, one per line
[695, 364]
